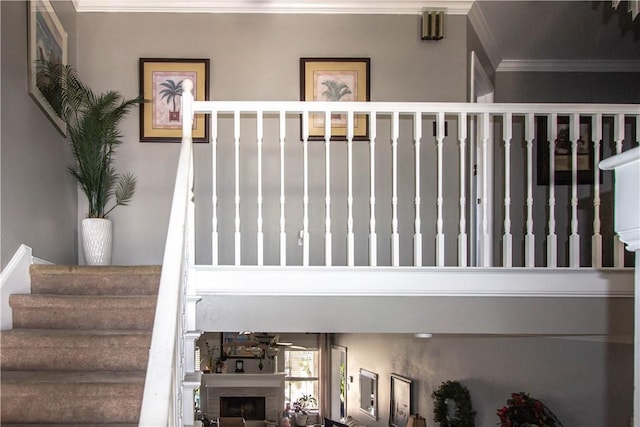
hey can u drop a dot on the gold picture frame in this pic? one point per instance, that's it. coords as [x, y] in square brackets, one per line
[336, 79]
[161, 85]
[47, 42]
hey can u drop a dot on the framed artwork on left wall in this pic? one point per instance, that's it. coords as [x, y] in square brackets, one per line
[47, 42]
[161, 82]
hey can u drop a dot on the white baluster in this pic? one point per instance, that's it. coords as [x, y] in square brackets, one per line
[214, 188]
[305, 185]
[507, 239]
[395, 237]
[462, 234]
[596, 239]
[373, 238]
[260, 236]
[350, 235]
[439, 200]
[417, 236]
[552, 239]
[283, 233]
[486, 254]
[236, 137]
[618, 136]
[327, 188]
[574, 238]
[529, 239]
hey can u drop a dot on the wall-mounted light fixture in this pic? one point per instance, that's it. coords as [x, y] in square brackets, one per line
[423, 335]
[432, 24]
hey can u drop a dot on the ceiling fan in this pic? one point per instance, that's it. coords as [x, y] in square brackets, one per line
[268, 341]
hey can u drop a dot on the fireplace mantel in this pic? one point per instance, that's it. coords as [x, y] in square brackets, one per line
[243, 380]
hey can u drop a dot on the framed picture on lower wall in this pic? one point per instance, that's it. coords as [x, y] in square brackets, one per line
[400, 397]
[161, 83]
[562, 151]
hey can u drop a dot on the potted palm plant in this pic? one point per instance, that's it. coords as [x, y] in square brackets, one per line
[93, 129]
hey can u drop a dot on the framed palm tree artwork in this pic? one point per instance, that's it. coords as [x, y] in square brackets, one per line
[336, 80]
[161, 83]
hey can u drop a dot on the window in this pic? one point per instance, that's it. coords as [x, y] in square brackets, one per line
[301, 375]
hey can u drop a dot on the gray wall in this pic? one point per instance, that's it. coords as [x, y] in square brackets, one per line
[253, 57]
[586, 384]
[39, 199]
[606, 88]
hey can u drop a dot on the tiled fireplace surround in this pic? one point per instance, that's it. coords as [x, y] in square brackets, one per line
[271, 386]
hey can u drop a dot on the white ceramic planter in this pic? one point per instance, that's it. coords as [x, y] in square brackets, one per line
[96, 241]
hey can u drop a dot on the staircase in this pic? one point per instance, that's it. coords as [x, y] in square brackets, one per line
[78, 350]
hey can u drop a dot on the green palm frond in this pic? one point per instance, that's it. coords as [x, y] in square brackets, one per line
[93, 122]
[335, 90]
[172, 91]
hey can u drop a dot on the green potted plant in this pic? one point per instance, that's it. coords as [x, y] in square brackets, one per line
[300, 408]
[93, 122]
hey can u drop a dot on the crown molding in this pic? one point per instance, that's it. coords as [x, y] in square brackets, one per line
[562, 66]
[391, 7]
[485, 35]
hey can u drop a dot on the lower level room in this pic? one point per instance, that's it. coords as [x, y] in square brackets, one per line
[583, 381]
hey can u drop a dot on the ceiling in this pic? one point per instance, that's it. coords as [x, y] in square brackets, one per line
[518, 35]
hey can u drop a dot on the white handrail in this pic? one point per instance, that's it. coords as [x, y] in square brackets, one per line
[161, 400]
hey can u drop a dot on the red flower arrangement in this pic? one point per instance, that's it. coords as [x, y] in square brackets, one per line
[522, 410]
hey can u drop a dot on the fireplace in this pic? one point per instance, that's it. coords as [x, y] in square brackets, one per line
[255, 397]
[248, 407]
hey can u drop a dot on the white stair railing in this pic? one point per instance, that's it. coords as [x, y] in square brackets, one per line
[539, 224]
[164, 402]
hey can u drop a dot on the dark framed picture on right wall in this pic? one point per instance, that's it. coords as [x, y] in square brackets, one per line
[400, 399]
[562, 157]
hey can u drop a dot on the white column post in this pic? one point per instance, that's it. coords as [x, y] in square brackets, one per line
[627, 225]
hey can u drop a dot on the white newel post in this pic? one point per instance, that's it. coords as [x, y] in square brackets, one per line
[627, 224]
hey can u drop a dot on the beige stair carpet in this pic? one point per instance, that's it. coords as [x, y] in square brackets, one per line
[77, 355]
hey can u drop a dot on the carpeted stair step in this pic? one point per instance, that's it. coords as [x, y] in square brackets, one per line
[63, 349]
[95, 280]
[78, 353]
[70, 424]
[68, 398]
[83, 311]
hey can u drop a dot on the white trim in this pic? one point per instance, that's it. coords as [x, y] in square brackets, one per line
[622, 159]
[244, 380]
[481, 82]
[483, 31]
[453, 7]
[411, 281]
[14, 279]
[562, 65]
